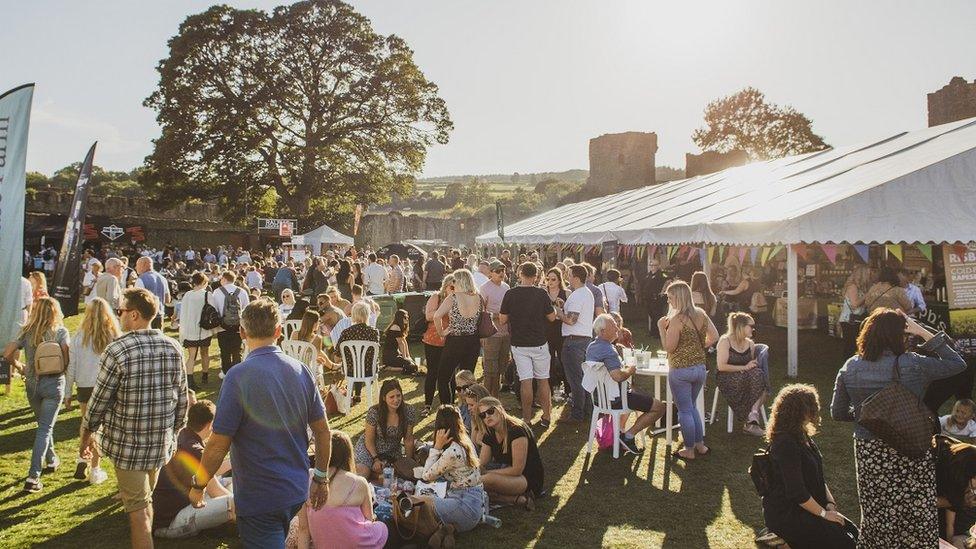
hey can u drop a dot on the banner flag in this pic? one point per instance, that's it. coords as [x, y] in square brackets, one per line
[671, 251]
[67, 277]
[692, 252]
[801, 251]
[895, 250]
[926, 250]
[701, 256]
[15, 107]
[753, 254]
[776, 251]
[862, 250]
[765, 256]
[742, 255]
[830, 250]
[711, 254]
[721, 254]
[651, 250]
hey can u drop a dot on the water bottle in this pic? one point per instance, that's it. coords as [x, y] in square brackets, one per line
[388, 477]
[494, 522]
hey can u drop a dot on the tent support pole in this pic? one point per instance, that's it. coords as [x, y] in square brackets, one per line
[707, 265]
[792, 309]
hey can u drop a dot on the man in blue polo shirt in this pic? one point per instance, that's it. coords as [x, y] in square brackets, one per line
[603, 350]
[266, 404]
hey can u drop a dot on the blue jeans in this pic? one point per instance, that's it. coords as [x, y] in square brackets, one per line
[574, 354]
[267, 530]
[685, 385]
[44, 395]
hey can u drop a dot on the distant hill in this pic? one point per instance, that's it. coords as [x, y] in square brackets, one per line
[514, 179]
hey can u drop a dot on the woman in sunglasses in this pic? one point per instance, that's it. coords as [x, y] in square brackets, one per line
[741, 379]
[472, 395]
[509, 441]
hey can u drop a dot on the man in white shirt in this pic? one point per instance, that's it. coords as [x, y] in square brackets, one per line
[374, 276]
[612, 292]
[190, 255]
[396, 277]
[229, 338]
[577, 318]
[254, 279]
[480, 275]
[107, 285]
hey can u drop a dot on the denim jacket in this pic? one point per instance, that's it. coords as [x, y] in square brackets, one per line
[860, 378]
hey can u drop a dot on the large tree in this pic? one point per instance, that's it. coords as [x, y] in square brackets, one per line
[746, 121]
[307, 101]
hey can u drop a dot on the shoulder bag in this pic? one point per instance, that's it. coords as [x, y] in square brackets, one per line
[899, 418]
[760, 471]
[486, 326]
[414, 518]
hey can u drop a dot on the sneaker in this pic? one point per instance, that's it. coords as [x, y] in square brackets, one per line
[630, 445]
[81, 469]
[33, 485]
[52, 466]
[98, 476]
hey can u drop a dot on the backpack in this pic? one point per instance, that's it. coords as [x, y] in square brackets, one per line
[231, 319]
[761, 471]
[48, 359]
[209, 317]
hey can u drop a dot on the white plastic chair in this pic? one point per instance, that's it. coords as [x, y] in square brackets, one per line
[291, 327]
[711, 419]
[358, 350]
[602, 404]
[307, 354]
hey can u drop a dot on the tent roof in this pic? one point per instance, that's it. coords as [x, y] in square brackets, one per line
[910, 187]
[327, 235]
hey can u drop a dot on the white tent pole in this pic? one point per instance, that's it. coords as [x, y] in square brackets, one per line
[792, 309]
[707, 265]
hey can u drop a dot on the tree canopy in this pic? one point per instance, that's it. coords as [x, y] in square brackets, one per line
[746, 121]
[307, 101]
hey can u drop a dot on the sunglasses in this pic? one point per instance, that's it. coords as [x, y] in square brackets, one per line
[486, 413]
[463, 388]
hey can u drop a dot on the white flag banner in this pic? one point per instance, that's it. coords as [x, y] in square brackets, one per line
[15, 108]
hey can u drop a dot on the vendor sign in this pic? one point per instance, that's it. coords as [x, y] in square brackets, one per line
[960, 270]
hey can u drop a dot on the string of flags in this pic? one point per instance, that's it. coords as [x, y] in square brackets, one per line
[757, 255]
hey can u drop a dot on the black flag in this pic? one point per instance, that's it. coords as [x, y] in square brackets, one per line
[67, 277]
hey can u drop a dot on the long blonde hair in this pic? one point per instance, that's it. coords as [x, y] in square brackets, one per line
[507, 419]
[463, 282]
[680, 293]
[38, 281]
[737, 322]
[44, 317]
[99, 327]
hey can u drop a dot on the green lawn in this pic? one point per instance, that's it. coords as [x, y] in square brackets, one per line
[649, 501]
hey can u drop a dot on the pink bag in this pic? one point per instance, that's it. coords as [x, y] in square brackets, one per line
[604, 432]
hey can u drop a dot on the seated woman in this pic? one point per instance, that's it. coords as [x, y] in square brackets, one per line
[389, 431]
[287, 303]
[358, 331]
[510, 442]
[396, 351]
[338, 301]
[624, 336]
[453, 459]
[309, 333]
[472, 395]
[346, 519]
[740, 380]
[799, 506]
[955, 479]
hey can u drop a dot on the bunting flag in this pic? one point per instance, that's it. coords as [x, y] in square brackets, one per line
[775, 252]
[753, 255]
[721, 253]
[895, 250]
[651, 250]
[710, 255]
[926, 250]
[830, 250]
[742, 255]
[671, 251]
[692, 252]
[801, 250]
[862, 250]
[765, 256]
[701, 256]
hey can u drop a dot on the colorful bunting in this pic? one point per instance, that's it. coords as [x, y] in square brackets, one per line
[701, 256]
[776, 251]
[926, 250]
[765, 256]
[710, 254]
[753, 254]
[692, 252]
[801, 251]
[830, 250]
[895, 250]
[721, 253]
[742, 255]
[671, 251]
[862, 250]
[651, 250]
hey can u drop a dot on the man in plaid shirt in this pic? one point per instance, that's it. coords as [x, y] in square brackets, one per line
[139, 403]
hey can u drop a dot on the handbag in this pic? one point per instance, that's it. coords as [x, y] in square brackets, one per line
[209, 317]
[899, 418]
[604, 432]
[760, 471]
[418, 521]
[486, 326]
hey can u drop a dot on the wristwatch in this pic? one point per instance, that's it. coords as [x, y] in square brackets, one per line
[195, 485]
[823, 512]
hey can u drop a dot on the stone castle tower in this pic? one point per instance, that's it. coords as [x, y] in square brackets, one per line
[955, 101]
[620, 161]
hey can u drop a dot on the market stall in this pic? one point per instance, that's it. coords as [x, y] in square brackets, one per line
[903, 191]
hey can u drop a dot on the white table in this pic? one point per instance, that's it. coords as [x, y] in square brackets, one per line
[658, 368]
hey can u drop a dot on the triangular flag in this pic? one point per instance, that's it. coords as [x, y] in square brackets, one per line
[830, 250]
[895, 250]
[775, 252]
[926, 250]
[765, 256]
[701, 257]
[862, 250]
[671, 251]
[801, 250]
[651, 250]
[742, 255]
[721, 254]
[753, 254]
[711, 254]
[692, 252]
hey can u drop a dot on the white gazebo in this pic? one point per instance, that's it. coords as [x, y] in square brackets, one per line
[325, 235]
[912, 187]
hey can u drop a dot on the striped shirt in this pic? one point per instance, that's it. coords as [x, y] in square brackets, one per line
[139, 401]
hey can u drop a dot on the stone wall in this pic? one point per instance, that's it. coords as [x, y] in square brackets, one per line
[620, 161]
[955, 101]
[711, 162]
[380, 229]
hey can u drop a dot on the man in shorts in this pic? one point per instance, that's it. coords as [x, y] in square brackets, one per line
[495, 349]
[527, 310]
[602, 350]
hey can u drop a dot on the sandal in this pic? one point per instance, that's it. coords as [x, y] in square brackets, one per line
[677, 455]
[526, 501]
[705, 453]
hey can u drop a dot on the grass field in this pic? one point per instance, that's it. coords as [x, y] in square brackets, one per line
[596, 501]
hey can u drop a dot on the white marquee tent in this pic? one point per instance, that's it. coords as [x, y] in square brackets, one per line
[325, 235]
[910, 187]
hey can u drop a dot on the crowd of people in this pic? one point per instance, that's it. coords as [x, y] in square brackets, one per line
[264, 456]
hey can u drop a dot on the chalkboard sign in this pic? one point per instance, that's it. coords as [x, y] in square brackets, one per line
[609, 254]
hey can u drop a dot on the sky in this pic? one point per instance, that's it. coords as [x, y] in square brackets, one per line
[527, 83]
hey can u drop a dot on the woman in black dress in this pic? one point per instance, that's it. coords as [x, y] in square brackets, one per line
[509, 442]
[557, 295]
[396, 352]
